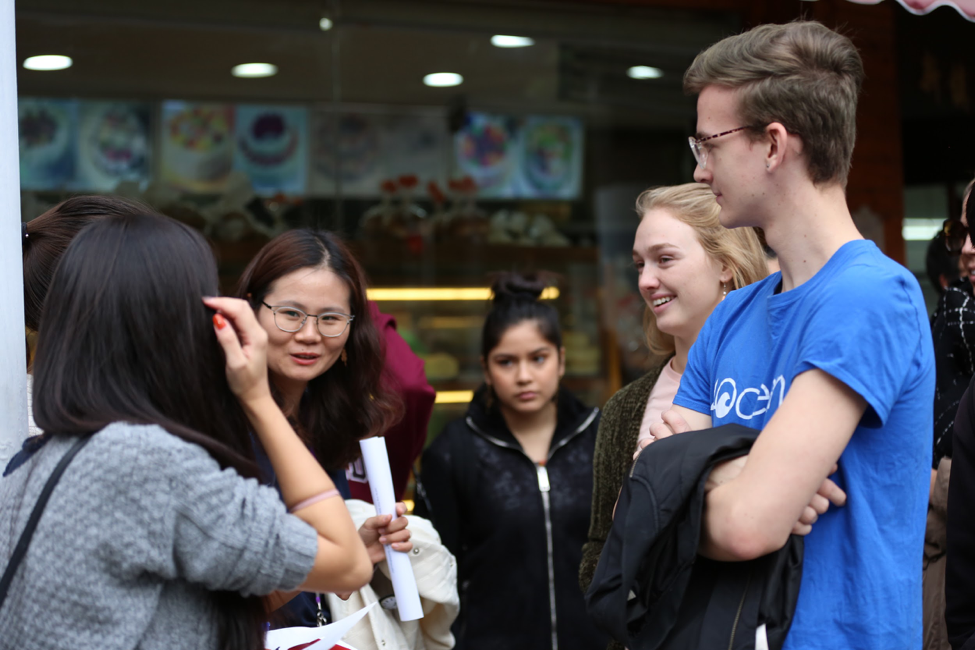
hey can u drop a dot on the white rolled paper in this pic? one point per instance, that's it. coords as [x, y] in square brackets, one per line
[376, 460]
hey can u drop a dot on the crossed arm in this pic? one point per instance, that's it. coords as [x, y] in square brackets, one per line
[753, 504]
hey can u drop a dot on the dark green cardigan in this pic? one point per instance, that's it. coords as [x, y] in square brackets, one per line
[616, 439]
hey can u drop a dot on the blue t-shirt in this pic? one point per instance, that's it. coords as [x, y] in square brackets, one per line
[861, 319]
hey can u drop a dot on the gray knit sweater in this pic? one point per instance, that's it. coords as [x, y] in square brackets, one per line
[140, 528]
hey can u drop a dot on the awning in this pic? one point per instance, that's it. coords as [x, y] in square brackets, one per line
[964, 7]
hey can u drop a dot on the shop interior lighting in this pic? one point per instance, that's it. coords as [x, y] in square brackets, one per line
[443, 79]
[500, 40]
[644, 72]
[921, 229]
[254, 70]
[325, 24]
[48, 62]
[453, 396]
[410, 294]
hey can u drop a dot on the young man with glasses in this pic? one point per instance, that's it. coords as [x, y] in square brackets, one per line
[831, 358]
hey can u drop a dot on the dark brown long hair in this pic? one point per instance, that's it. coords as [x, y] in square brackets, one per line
[140, 348]
[47, 237]
[350, 401]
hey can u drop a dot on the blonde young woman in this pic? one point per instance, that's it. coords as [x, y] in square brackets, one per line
[687, 262]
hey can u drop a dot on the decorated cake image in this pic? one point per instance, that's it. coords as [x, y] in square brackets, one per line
[484, 151]
[272, 146]
[44, 133]
[197, 144]
[47, 142]
[269, 141]
[117, 141]
[549, 155]
[358, 142]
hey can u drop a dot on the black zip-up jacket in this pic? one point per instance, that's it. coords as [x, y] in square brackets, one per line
[960, 564]
[516, 528]
[652, 591]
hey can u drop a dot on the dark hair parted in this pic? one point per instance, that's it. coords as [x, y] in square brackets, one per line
[124, 336]
[47, 237]
[348, 402]
[516, 299]
[803, 75]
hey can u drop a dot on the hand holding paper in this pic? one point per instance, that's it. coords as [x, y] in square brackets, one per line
[376, 460]
[385, 530]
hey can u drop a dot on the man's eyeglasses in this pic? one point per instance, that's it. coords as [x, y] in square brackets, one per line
[292, 319]
[956, 233]
[701, 152]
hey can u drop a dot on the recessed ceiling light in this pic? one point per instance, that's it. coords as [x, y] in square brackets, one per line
[644, 72]
[443, 79]
[48, 62]
[253, 70]
[499, 40]
[325, 24]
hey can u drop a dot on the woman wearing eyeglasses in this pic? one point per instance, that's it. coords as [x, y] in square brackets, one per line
[325, 362]
[953, 328]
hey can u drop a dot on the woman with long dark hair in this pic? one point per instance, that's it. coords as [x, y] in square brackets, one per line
[44, 240]
[154, 537]
[325, 365]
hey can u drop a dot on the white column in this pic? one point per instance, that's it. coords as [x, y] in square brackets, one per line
[13, 387]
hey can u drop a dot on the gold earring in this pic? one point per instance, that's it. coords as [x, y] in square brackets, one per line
[345, 357]
[724, 291]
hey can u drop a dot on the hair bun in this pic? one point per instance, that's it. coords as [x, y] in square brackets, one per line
[514, 286]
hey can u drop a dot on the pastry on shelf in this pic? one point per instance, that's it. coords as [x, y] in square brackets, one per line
[468, 222]
[372, 223]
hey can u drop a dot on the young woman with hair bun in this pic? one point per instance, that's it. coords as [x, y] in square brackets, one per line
[509, 485]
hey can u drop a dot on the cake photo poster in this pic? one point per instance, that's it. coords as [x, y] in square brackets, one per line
[487, 149]
[533, 157]
[197, 145]
[416, 145]
[550, 165]
[346, 146]
[48, 139]
[272, 147]
[114, 144]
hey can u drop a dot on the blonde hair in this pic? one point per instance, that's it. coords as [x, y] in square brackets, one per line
[738, 249]
[802, 75]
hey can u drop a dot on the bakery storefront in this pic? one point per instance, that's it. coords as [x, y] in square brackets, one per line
[446, 139]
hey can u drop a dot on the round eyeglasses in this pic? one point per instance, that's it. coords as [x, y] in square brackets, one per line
[292, 319]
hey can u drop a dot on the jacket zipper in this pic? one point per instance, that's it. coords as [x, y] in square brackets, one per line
[544, 487]
[741, 605]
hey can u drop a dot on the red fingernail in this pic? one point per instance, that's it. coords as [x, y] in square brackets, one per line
[219, 321]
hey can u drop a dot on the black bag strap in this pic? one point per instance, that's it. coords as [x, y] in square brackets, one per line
[35, 516]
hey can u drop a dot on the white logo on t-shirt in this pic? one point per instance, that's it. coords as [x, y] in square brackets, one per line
[727, 397]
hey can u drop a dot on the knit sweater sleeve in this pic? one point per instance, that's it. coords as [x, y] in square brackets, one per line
[180, 516]
[615, 442]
